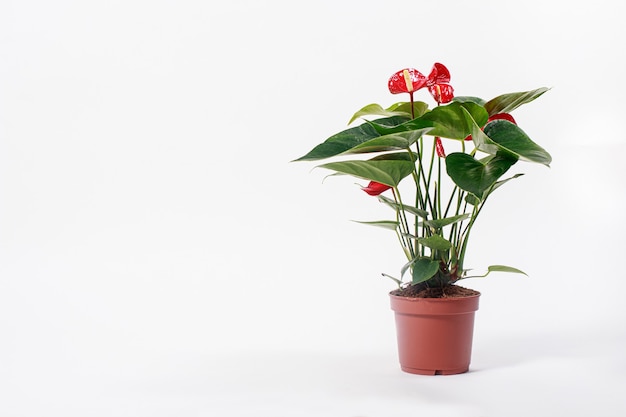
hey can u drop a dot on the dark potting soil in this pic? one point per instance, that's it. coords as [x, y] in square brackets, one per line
[449, 291]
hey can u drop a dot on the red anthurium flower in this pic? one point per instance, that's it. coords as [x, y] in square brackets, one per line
[410, 80]
[437, 83]
[438, 75]
[441, 153]
[375, 188]
[406, 81]
[499, 116]
[442, 93]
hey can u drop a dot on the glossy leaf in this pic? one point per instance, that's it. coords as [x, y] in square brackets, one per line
[424, 269]
[511, 138]
[396, 280]
[506, 103]
[399, 109]
[406, 126]
[504, 268]
[484, 144]
[475, 176]
[388, 172]
[410, 209]
[419, 108]
[435, 242]
[455, 120]
[439, 223]
[396, 156]
[348, 139]
[394, 141]
[502, 182]
[473, 200]
[470, 99]
[385, 224]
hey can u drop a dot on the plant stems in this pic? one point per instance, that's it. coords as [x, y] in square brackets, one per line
[401, 217]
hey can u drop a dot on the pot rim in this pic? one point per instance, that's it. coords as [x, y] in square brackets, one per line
[448, 305]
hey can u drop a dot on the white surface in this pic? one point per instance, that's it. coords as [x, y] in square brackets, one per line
[576, 374]
[145, 183]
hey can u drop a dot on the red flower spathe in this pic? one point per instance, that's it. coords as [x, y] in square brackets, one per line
[375, 188]
[437, 84]
[407, 80]
[410, 80]
[502, 116]
[441, 153]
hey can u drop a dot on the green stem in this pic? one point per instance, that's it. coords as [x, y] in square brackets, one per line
[454, 190]
[438, 187]
[406, 241]
[421, 174]
[427, 184]
[465, 234]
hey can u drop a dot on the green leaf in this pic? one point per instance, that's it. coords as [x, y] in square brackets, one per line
[387, 128]
[511, 138]
[455, 120]
[398, 109]
[506, 103]
[473, 200]
[424, 269]
[439, 223]
[388, 172]
[385, 224]
[465, 99]
[348, 139]
[504, 268]
[502, 182]
[396, 156]
[475, 176]
[394, 141]
[410, 209]
[419, 108]
[496, 268]
[371, 109]
[435, 242]
[396, 280]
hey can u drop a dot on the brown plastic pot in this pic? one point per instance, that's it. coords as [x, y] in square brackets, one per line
[435, 334]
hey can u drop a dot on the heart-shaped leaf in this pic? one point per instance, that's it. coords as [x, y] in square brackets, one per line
[504, 268]
[395, 141]
[439, 223]
[455, 120]
[424, 269]
[348, 139]
[388, 172]
[475, 176]
[473, 200]
[497, 268]
[506, 103]
[511, 138]
[471, 99]
[409, 125]
[435, 242]
[398, 109]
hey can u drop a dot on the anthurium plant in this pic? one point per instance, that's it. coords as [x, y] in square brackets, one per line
[435, 194]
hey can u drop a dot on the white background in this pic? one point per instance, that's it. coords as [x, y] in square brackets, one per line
[160, 255]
